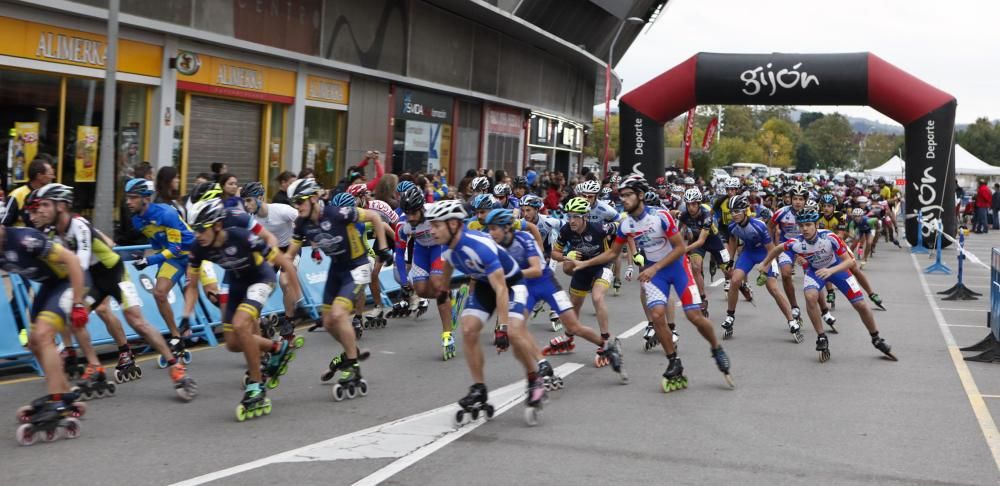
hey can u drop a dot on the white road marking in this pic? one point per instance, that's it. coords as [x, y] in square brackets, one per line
[982, 413]
[633, 330]
[966, 325]
[409, 439]
[963, 310]
[717, 282]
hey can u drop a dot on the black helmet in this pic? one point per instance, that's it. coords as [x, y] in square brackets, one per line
[635, 182]
[411, 199]
[204, 192]
[206, 213]
[252, 189]
[738, 203]
[520, 181]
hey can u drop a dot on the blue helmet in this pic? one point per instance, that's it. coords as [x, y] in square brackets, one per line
[343, 200]
[139, 187]
[807, 216]
[532, 201]
[483, 201]
[500, 217]
[828, 199]
[403, 186]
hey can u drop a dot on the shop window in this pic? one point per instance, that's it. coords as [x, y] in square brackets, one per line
[275, 148]
[29, 122]
[323, 144]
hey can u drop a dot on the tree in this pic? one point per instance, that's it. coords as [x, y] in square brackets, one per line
[738, 121]
[982, 139]
[805, 158]
[784, 127]
[762, 114]
[831, 138]
[595, 145]
[876, 149]
[778, 149]
[808, 117]
[731, 150]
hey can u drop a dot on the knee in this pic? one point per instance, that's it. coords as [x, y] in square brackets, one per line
[337, 314]
[160, 294]
[598, 299]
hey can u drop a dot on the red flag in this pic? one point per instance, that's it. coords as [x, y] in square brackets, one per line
[687, 139]
[706, 143]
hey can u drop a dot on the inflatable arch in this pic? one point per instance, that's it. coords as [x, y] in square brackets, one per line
[927, 113]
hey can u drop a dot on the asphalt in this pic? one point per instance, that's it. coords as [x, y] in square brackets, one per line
[857, 419]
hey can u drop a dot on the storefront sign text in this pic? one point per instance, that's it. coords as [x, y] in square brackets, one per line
[66, 48]
[240, 77]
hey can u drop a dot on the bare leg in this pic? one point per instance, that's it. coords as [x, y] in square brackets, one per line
[471, 327]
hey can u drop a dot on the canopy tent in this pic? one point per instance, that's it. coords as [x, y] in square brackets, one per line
[966, 163]
[894, 168]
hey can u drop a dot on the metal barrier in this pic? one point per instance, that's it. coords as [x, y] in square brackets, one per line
[989, 347]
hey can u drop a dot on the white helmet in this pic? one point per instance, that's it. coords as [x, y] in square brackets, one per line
[480, 184]
[692, 195]
[689, 181]
[857, 212]
[863, 200]
[445, 210]
[589, 187]
[732, 183]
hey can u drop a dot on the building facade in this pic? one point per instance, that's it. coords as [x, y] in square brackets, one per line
[266, 86]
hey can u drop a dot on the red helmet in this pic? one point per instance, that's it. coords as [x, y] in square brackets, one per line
[358, 190]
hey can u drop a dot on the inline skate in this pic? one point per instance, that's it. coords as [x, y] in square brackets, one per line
[254, 403]
[447, 345]
[722, 361]
[673, 377]
[375, 318]
[177, 349]
[613, 355]
[126, 369]
[537, 396]
[72, 366]
[831, 321]
[883, 346]
[71, 399]
[559, 345]
[357, 324]
[550, 379]
[286, 329]
[94, 384]
[823, 346]
[472, 404]
[727, 326]
[277, 364]
[796, 330]
[877, 301]
[350, 384]
[617, 286]
[831, 298]
[554, 321]
[649, 339]
[184, 385]
[338, 363]
[52, 420]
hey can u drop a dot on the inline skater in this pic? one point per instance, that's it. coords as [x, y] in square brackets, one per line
[548, 228]
[504, 199]
[331, 230]
[783, 227]
[756, 240]
[248, 259]
[828, 261]
[51, 209]
[375, 317]
[698, 218]
[498, 285]
[604, 214]
[656, 232]
[60, 299]
[722, 214]
[542, 285]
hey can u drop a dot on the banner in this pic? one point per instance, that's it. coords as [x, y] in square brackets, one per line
[641, 144]
[706, 143]
[86, 153]
[688, 132]
[25, 148]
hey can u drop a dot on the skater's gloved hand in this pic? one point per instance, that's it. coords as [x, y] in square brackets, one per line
[317, 256]
[638, 259]
[628, 273]
[80, 315]
[500, 338]
[140, 263]
[761, 279]
[385, 254]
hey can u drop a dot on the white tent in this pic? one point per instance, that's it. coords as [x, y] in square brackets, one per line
[893, 168]
[968, 164]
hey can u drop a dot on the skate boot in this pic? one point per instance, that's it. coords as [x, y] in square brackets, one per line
[673, 377]
[649, 340]
[286, 329]
[600, 360]
[337, 363]
[831, 298]
[422, 306]
[722, 361]
[267, 325]
[831, 321]
[126, 369]
[797, 315]
[704, 306]
[254, 403]
[473, 403]
[537, 396]
[176, 345]
[71, 364]
[613, 355]
[549, 377]
[746, 291]
[713, 267]
[617, 286]
[823, 346]
[399, 309]
[725, 286]
[796, 330]
[350, 384]
[375, 318]
[877, 301]
[77, 408]
[358, 324]
[94, 384]
[883, 346]
[559, 345]
[761, 279]
[727, 326]
[277, 364]
[52, 420]
[447, 345]
[184, 385]
[554, 322]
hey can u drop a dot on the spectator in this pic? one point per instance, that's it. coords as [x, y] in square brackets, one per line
[40, 173]
[218, 169]
[984, 200]
[168, 184]
[230, 191]
[285, 179]
[995, 205]
[307, 173]
[385, 190]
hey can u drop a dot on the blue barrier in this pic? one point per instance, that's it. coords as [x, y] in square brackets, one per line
[959, 291]
[989, 347]
[919, 248]
[938, 266]
[10, 347]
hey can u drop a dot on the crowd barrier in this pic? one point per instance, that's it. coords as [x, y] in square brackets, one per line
[312, 277]
[989, 347]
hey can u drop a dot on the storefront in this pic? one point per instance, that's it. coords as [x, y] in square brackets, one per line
[51, 102]
[503, 143]
[554, 143]
[325, 128]
[422, 131]
[230, 112]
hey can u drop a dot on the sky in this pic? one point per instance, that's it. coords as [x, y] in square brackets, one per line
[953, 45]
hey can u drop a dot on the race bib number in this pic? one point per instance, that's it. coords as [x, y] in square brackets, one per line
[130, 296]
[852, 283]
[725, 255]
[362, 275]
[562, 301]
[259, 292]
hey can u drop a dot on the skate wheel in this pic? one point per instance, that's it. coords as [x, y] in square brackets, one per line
[273, 382]
[138, 372]
[531, 415]
[362, 388]
[299, 341]
[79, 409]
[798, 337]
[352, 392]
[459, 419]
[71, 428]
[187, 357]
[267, 406]
[283, 369]
[241, 413]
[622, 378]
[729, 380]
[161, 362]
[120, 377]
[338, 392]
[24, 414]
[546, 351]
[245, 380]
[25, 435]
[824, 356]
[112, 389]
[50, 435]
[891, 356]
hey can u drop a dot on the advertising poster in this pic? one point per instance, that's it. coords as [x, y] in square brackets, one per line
[86, 153]
[311, 156]
[25, 148]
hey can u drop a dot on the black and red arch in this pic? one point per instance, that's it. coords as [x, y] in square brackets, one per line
[927, 113]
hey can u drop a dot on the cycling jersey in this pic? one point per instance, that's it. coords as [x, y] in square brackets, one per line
[280, 222]
[425, 253]
[90, 249]
[722, 211]
[858, 228]
[823, 252]
[167, 233]
[243, 255]
[28, 253]
[753, 234]
[602, 213]
[651, 231]
[548, 228]
[701, 220]
[384, 209]
[335, 235]
[420, 233]
[784, 219]
[16, 214]
[477, 256]
[521, 248]
[835, 222]
[589, 244]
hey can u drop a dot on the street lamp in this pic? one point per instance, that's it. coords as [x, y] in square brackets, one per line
[607, 86]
